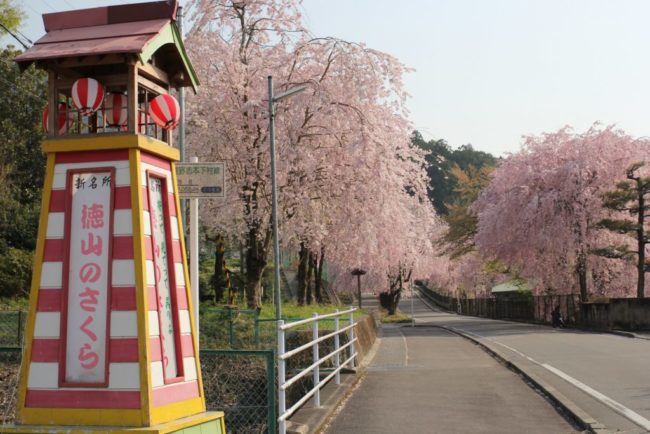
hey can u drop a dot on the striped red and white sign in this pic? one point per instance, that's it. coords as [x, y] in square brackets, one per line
[165, 111]
[87, 95]
[115, 109]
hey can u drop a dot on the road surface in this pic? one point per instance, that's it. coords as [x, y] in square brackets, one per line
[430, 380]
[604, 375]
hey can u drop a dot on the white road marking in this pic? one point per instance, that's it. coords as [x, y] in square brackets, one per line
[614, 405]
[406, 349]
[517, 352]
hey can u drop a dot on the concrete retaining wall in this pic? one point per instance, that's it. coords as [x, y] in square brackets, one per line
[614, 313]
[618, 313]
[366, 333]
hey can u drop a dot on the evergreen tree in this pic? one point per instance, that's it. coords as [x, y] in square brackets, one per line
[22, 164]
[441, 160]
[631, 197]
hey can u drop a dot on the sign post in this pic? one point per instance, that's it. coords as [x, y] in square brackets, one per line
[195, 181]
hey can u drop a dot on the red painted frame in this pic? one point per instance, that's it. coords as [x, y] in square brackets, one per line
[180, 369]
[63, 333]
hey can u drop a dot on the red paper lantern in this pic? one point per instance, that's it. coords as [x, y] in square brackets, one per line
[87, 95]
[62, 125]
[165, 111]
[115, 110]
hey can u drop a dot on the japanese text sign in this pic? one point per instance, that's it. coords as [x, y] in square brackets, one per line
[162, 277]
[88, 277]
[204, 180]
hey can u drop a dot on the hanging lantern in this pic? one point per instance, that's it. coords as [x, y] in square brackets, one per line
[62, 125]
[87, 95]
[115, 109]
[165, 111]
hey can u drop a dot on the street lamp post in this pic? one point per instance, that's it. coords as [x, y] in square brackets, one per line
[274, 190]
[276, 243]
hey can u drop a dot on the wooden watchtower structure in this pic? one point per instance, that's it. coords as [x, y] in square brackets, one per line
[111, 345]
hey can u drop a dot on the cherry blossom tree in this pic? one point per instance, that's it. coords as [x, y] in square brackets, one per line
[539, 211]
[347, 173]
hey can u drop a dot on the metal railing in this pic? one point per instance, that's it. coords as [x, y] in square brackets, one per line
[314, 368]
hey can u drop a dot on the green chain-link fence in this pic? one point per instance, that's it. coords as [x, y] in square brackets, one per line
[239, 383]
[242, 384]
[236, 329]
[12, 323]
[9, 369]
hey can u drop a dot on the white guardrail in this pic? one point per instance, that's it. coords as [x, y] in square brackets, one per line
[283, 356]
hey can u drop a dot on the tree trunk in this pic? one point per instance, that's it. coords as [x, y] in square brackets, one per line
[310, 271]
[242, 262]
[318, 276]
[219, 276]
[581, 269]
[255, 264]
[302, 274]
[389, 300]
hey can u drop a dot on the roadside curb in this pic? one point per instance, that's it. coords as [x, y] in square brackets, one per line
[629, 334]
[577, 414]
[315, 419]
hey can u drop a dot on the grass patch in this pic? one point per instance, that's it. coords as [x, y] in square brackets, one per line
[14, 303]
[236, 327]
[398, 318]
[293, 310]
[290, 309]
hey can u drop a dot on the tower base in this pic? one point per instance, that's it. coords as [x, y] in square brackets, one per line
[204, 423]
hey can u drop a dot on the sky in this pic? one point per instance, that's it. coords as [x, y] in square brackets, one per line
[487, 73]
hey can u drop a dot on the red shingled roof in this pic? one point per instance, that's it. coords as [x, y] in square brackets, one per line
[104, 30]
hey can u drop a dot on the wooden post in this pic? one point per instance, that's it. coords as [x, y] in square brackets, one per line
[132, 97]
[52, 103]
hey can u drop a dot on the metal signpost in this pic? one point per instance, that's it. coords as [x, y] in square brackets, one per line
[198, 181]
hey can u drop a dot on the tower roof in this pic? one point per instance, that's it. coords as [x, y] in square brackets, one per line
[141, 29]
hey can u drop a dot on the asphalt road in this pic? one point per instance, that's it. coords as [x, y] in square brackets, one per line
[605, 375]
[429, 380]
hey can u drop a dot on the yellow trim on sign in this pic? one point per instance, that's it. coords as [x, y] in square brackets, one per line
[177, 410]
[164, 428]
[105, 142]
[91, 142]
[83, 416]
[142, 304]
[188, 422]
[36, 283]
[186, 275]
[156, 147]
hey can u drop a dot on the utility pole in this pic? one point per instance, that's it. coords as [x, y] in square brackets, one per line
[274, 190]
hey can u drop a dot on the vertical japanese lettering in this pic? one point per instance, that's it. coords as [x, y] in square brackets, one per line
[162, 278]
[88, 279]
